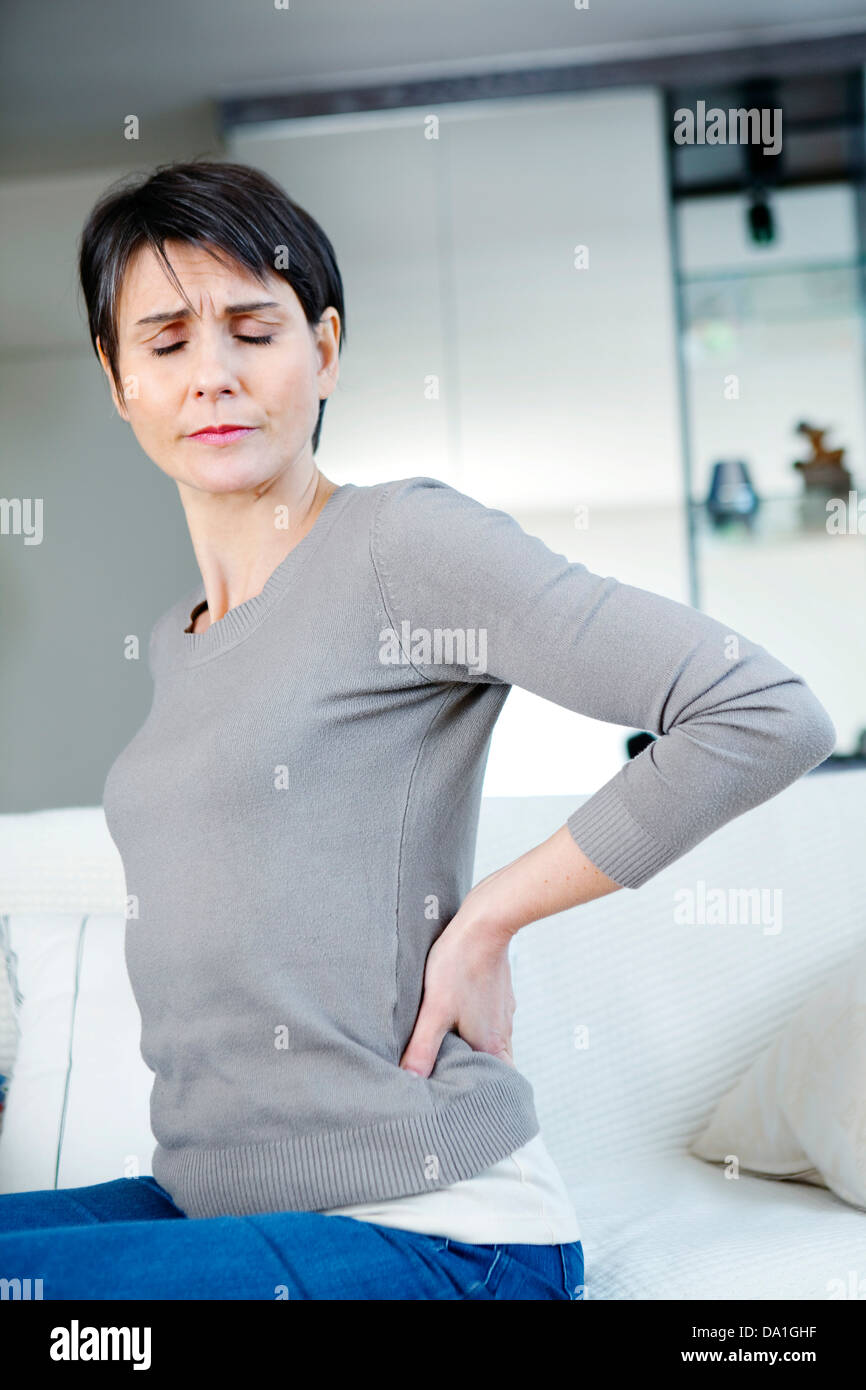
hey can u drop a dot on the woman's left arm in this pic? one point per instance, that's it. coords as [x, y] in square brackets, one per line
[734, 726]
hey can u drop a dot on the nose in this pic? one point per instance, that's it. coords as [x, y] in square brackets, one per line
[209, 358]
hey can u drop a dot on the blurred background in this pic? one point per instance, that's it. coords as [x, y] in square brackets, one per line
[641, 334]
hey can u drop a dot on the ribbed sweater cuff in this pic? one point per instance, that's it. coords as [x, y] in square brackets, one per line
[606, 831]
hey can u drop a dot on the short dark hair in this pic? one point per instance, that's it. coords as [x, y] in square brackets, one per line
[233, 207]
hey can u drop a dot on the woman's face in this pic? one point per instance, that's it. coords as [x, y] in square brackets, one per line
[185, 370]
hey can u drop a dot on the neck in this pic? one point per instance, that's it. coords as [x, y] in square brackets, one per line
[239, 539]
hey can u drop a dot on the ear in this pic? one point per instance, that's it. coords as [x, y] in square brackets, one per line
[328, 349]
[119, 405]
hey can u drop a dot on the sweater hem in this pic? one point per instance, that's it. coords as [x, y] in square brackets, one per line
[338, 1168]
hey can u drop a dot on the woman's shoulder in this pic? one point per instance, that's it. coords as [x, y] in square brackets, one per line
[424, 501]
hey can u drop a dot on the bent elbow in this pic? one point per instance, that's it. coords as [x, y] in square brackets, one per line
[813, 733]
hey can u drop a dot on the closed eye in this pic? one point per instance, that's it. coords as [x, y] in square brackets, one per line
[173, 347]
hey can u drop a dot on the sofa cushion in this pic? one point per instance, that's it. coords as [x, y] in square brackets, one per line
[673, 1227]
[59, 861]
[802, 1103]
[78, 1104]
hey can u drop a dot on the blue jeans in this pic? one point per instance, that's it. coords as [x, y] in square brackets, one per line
[126, 1239]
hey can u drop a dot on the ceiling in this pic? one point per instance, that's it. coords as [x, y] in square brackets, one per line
[71, 73]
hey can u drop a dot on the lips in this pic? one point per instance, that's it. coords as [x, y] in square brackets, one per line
[222, 434]
[222, 429]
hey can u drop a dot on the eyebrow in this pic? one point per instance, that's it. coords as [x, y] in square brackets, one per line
[231, 310]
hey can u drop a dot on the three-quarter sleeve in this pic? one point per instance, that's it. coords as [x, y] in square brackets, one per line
[734, 725]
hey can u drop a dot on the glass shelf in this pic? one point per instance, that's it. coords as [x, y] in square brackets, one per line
[775, 269]
[793, 295]
[777, 519]
[768, 342]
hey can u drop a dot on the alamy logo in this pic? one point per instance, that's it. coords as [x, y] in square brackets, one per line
[22, 516]
[75, 1343]
[756, 126]
[444, 646]
[720, 907]
[21, 1288]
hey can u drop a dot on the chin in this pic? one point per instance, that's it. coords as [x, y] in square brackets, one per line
[221, 474]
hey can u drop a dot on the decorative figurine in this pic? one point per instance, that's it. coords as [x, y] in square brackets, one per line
[824, 470]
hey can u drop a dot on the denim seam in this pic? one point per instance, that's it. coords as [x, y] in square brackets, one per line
[92, 1218]
[566, 1277]
[266, 1239]
[482, 1283]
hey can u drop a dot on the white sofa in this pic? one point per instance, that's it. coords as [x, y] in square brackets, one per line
[629, 1026]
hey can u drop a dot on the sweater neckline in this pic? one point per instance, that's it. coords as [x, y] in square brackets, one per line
[240, 621]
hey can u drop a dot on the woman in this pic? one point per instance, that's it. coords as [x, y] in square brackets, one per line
[326, 1002]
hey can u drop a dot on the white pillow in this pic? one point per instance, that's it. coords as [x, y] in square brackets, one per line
[800, 1109]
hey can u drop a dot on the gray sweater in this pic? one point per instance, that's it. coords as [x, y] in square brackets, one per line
[297, 821]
